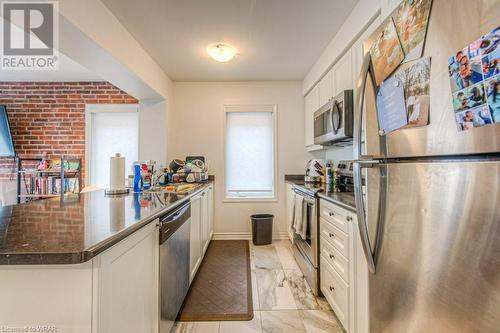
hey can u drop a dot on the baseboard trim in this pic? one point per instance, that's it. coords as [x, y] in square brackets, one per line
[243, 235]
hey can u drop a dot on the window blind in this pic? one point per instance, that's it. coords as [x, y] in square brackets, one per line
[112, 132]
[249, 155]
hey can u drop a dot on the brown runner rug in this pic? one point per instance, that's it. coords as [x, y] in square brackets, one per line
[222, 288]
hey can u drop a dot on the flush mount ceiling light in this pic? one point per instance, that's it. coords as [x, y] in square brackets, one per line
[221, 52]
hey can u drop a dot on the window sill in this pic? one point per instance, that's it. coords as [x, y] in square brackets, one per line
[235, 200]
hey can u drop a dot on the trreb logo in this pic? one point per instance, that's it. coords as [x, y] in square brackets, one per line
[29, 34]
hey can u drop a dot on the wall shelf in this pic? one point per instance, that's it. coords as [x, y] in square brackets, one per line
[33, 184]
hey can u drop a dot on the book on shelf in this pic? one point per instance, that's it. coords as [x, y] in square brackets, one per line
[51, 185]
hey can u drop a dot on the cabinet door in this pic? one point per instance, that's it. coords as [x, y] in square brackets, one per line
[205, 231]
[325, 89]
[342, 74]
[311, 105]
[126, 284]
[195, 237]
[290, 196]
[210, 212]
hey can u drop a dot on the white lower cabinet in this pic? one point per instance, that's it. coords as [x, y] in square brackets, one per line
[343, 270]
[210, 199]
[290, 203]
[336, 292]
[125, 284]
[116, 291]
[195, 236]
[201, 228]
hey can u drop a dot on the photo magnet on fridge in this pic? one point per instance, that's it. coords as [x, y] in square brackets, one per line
[391, 110]
[416, 78]
[386, 52]
[411, 19]
[474, 74]
[403, 100]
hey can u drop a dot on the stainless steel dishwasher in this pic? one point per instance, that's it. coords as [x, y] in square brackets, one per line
[174, 264]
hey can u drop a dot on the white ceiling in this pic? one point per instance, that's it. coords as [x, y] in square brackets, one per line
[276, 39]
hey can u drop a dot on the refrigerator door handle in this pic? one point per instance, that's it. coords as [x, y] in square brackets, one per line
[366, 69]
[360, 210]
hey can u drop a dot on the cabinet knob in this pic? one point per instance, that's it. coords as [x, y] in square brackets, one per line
[332, 256]
[332, 289]
[331, 235]
[349, 218]
[331, 214]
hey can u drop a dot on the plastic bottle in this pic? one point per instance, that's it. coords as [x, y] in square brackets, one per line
[329, 173]
[137, 178]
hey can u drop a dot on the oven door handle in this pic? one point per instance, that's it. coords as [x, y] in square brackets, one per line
[310, 201]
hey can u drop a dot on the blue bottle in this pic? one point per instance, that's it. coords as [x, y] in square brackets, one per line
[137, 179]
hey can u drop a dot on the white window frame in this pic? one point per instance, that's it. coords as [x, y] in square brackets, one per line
[273, 109]
[90, 111]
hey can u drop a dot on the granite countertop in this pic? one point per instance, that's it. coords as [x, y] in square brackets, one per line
[79, 227]
[343, 199]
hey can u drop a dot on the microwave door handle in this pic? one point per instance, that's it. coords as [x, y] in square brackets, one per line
[335, 106]
[330, 111]
[366, 69]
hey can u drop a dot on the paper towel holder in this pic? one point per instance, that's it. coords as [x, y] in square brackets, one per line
[116, 191]
[110, 192]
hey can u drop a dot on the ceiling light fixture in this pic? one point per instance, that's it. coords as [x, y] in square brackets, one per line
[221, 52]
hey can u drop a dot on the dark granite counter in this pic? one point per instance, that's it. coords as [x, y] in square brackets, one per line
[79, 227]
[343, 199]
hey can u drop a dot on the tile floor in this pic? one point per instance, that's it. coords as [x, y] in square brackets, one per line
[282, 299]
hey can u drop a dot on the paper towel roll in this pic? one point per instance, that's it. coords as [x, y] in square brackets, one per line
[117, 172]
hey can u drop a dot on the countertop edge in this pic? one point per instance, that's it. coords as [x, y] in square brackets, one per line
[72, 258]
[336, 202]
[291, 179]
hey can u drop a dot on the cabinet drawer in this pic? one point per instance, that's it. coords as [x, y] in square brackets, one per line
[337, 216]
[336, 291]
[334, 236]
[335, 259]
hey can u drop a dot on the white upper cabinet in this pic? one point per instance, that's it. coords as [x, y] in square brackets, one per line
[325, 89]
[342, 74]
[311, 105]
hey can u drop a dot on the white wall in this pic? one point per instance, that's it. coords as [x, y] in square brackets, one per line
[197, 127]
[362, 15]
[92, 36]
[153, 131]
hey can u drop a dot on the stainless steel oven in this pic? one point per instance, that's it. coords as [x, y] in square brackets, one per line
[333, 122]
[306, 251]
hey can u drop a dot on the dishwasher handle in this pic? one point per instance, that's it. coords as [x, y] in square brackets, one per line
[172, 221]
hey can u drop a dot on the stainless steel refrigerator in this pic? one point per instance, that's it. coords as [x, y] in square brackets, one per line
[429, 209]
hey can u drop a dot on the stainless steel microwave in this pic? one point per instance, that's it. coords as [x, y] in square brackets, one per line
[333, 122]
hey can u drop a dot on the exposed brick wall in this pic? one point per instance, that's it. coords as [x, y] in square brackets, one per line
[50, 117]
